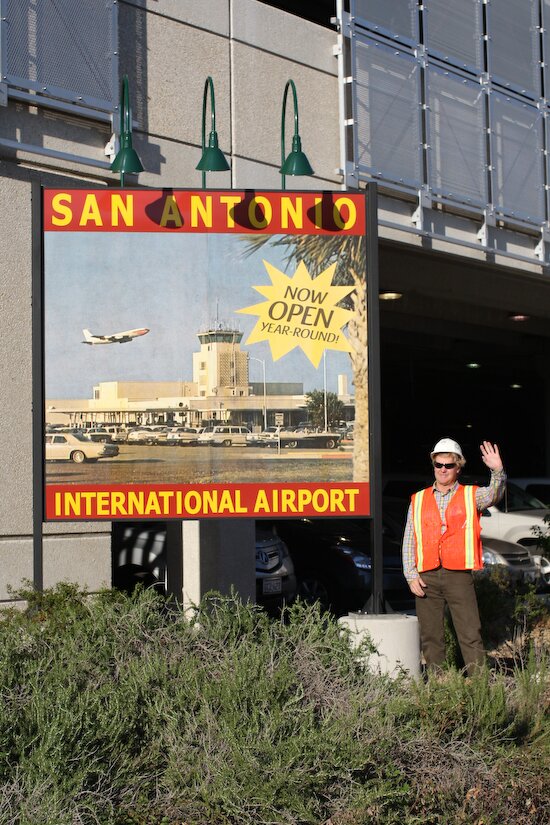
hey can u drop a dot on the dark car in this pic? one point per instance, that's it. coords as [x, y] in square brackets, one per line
[275, 576]
[139, 557]
[332, 561]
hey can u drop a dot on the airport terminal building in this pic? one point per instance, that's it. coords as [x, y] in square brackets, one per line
[446, 106]
[221, 392]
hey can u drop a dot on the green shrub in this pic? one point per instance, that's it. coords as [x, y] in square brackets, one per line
[123, 710]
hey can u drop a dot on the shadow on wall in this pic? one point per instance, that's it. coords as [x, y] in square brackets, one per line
[132, 21]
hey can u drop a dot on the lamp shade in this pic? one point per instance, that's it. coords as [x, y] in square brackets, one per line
[127, 161]
[297, 162]
[213, 159]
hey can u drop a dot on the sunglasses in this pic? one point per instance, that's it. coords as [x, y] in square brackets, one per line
[439, 466]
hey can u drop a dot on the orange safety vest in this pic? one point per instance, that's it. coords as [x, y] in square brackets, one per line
[459, 547]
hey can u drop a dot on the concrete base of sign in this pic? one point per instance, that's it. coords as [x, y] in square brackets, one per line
[396, 638]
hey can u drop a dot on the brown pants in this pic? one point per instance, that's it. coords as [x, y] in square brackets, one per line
[454, 588]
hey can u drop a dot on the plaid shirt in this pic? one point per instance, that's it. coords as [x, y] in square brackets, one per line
[485, 497]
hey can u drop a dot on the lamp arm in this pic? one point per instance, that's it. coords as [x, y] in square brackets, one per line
[209, 84]
[125, 115]
[289, 84]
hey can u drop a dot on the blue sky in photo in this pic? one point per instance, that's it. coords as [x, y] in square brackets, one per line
[176, 285]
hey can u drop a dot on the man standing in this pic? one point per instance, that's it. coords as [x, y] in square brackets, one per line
[441, 547]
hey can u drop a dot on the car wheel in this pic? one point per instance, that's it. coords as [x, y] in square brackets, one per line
[330, 443]
[312, 589]
[292, 445]
[226, 442]
[78, 457]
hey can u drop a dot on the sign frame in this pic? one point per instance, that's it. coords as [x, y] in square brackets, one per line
[107, 514]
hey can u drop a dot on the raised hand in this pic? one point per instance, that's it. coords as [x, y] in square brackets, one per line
[491, 456]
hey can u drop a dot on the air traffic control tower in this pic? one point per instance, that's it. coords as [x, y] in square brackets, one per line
[220, 368]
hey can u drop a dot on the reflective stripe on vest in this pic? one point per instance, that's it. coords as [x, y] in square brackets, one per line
[418, 498]
[470, 535]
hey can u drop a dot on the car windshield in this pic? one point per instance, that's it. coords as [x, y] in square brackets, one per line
[516, 499]
[81, 437]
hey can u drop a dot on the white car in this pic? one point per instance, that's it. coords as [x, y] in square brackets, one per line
[76, 447]
[224, 435]
[182, 437]
[141, 435]
[514, 518]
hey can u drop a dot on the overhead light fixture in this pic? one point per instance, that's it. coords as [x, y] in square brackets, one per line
[515, 386]
[518, 316]
[212, 159]
[386, 295]
[473, 366]
[296, 163]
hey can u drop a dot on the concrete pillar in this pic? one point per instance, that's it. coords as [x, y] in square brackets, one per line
[396, 637]
[216, 554]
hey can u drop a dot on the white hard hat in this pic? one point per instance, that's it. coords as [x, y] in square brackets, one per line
[447, 445]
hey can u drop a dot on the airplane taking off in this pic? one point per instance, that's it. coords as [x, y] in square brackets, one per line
[116, 338]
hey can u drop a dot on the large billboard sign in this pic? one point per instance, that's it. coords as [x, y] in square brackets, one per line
[205, 354]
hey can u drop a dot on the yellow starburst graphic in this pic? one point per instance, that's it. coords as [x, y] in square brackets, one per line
[300, 311]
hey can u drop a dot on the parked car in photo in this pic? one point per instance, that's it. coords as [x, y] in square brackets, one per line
[333, 565]
[119, 434]
[293, 438]
[141, 435]
[160, 433]
[115, 432]
[263, 438]
[182, 437]
[76, 447]
[302, 438]
[224, 435]
[139, 557]
[100, 434]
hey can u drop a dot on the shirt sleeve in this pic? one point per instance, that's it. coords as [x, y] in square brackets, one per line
[487, 496]
[409, 549]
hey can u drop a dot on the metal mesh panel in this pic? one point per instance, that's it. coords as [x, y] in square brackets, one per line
[454, 31]
[457, 164]
[63, 49]
[399, 19]
[546, 45]
[513, 46]
[387, 112]
[517, 158]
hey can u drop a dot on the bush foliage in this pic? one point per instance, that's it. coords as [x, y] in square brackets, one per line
[124, 710]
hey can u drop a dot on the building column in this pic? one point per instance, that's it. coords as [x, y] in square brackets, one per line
[211, 554]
